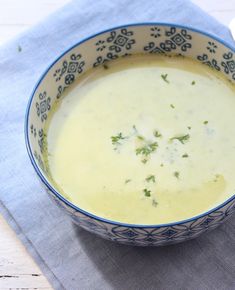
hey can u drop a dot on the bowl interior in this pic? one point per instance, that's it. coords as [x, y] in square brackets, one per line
[106, 46]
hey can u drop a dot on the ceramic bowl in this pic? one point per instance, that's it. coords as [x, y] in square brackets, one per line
[92, 52]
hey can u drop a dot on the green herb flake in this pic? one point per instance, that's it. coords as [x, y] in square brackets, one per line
[19, 48]
[127, 181]
[140, 137]
[189, 127]
[154, 203]
[161, 164]
[105, 66]
[117, 138]
[181, 139]
[144, 161]
[193, 83]
[185, 155]
[150, 178]
[205, 122]
[164, 77]
[157, 134]
[216, 177]
[147, 192]
[177, 174]
[172, 106]
[147, 149]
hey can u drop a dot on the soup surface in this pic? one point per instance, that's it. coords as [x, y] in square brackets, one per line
[145, 139]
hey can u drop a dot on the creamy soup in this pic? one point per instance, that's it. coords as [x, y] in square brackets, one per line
[145, 139]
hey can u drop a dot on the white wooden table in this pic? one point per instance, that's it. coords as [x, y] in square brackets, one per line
[17, 269]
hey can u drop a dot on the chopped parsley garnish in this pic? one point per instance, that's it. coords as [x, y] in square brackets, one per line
[147, 192]
[161, 164]
[127, 181]
[157, 134]
[164, 77]
[144, 161]
[177, 174]
[117, 138]
[185, 155]
[19, 48]
[205, 122]
[147, 149]
[150, 178]
[134, 128]
[182, 138]
[216, 177]
[140, 137]
[189, 127]
[193, 83]
[172, 106]
[105, 66]
[154, 203]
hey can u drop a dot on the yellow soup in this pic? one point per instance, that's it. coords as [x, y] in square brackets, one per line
[145, 139]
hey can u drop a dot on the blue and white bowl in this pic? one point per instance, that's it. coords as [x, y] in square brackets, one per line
[94, 51]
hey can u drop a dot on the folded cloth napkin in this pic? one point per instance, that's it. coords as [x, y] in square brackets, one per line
[70, 257]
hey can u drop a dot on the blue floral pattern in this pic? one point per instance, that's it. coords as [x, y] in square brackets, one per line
[145, 236]
[210, 62]
[120, 42]
[155, 31]
[176, 39]
[116, 44]
[229, 64]
[69, 69]
[41, 140]
[43, 105]
[33, 130]
[153, 48]
[211, 47]
[180, 38]
[101, 59]
[38, 157]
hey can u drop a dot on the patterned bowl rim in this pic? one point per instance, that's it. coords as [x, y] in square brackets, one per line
[46, 182]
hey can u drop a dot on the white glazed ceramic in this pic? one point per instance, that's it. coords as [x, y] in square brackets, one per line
[92, 52]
